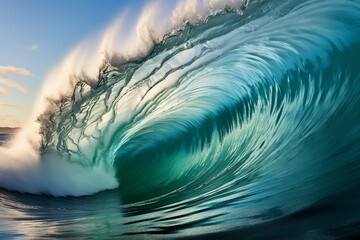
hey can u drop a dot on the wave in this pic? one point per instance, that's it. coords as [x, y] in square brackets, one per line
[200, 99]
[25, 167]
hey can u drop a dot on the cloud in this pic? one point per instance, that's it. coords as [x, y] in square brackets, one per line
[8, 106]
[4, 91]
[34, 47]
[8, 117]
[14, 71]
[10, 121]
[10, 83]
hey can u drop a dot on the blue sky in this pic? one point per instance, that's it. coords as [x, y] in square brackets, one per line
[35, 36]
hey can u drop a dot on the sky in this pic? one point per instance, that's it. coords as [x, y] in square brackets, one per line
[35, 36]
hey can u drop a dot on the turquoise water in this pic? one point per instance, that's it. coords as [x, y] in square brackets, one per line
[245, 125]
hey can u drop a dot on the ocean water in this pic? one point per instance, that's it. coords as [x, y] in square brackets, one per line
[4, 138]
[212, 120]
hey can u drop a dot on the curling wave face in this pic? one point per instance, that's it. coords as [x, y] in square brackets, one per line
[220, 106]
[249, 109]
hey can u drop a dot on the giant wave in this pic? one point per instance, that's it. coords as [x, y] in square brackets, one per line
[225, 105]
